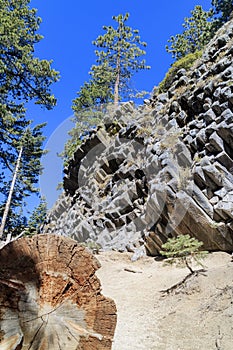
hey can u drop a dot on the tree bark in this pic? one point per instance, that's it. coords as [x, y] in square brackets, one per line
[116, 88]
[8, 202]
[50, 298]
[117, 81]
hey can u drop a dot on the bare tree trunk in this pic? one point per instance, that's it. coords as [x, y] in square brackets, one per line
[116, 88]
[50, 297]
[117, 81]
[8, 202]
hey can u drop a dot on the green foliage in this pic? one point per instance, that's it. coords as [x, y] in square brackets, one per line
[30, 164]
[198, 30]
[37, 218]
[12, 127]
[184, 62]
[27, 175]
[31, 167]
[93, 93]
[69, 149]
[119, 52]
[85, 121]
[223, 10]
[16, 221]
[23, 77]
[183, 250]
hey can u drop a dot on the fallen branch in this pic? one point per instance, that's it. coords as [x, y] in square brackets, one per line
[181, 283]
[131, 270]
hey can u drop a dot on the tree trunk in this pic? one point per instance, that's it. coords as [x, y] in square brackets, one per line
[50, 298]
[117, 81]
[116, 89]
[8, 202]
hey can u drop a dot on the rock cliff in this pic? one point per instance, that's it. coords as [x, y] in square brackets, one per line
[163, 169]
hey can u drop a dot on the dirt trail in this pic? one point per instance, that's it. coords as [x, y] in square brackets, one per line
[199, 317]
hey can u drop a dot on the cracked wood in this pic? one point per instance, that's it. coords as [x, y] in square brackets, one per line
[50, 297]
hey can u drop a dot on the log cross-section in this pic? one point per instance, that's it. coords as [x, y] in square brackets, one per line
[50, 297]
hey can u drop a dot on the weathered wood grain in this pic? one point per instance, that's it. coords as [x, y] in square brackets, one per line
[50, 298]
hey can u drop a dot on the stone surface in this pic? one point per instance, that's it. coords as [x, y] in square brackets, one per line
[168, 169]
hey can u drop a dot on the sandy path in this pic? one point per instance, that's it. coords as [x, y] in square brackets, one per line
[148, 321]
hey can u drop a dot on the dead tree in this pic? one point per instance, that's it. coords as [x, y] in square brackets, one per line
[50, 297]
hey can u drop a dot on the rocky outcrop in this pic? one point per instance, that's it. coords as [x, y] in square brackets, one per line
[159, 170]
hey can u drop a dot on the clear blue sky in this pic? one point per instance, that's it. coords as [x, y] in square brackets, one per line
[69, 27]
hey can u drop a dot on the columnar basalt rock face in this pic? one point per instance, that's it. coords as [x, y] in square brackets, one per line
[162, 169]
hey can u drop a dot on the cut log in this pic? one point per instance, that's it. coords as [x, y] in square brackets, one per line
[50, 297]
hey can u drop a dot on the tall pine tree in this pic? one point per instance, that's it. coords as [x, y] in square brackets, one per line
[23, 78]
[22, 179]
[119, 53]
[119, 56]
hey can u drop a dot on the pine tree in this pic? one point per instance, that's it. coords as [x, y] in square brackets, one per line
[23, 77]
[22, 179]
[198, 30]
[183, 250]
[118, 59]
[89, 106]
[15, 223]
[89, 109]
[37, 218]
[223, 10]
[119, 53]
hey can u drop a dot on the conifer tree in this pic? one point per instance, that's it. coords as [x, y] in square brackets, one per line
[89, 108]
[118, 59]
[23, 77]
[16, 221]
[183, 250]
[37, 217]
[119, 52]
[22, 179]
[198, 30]
[223, 10]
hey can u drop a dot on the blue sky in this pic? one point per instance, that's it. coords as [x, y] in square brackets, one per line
[69, 27]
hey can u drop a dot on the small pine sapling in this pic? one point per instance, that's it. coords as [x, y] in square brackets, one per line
[184, 250]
